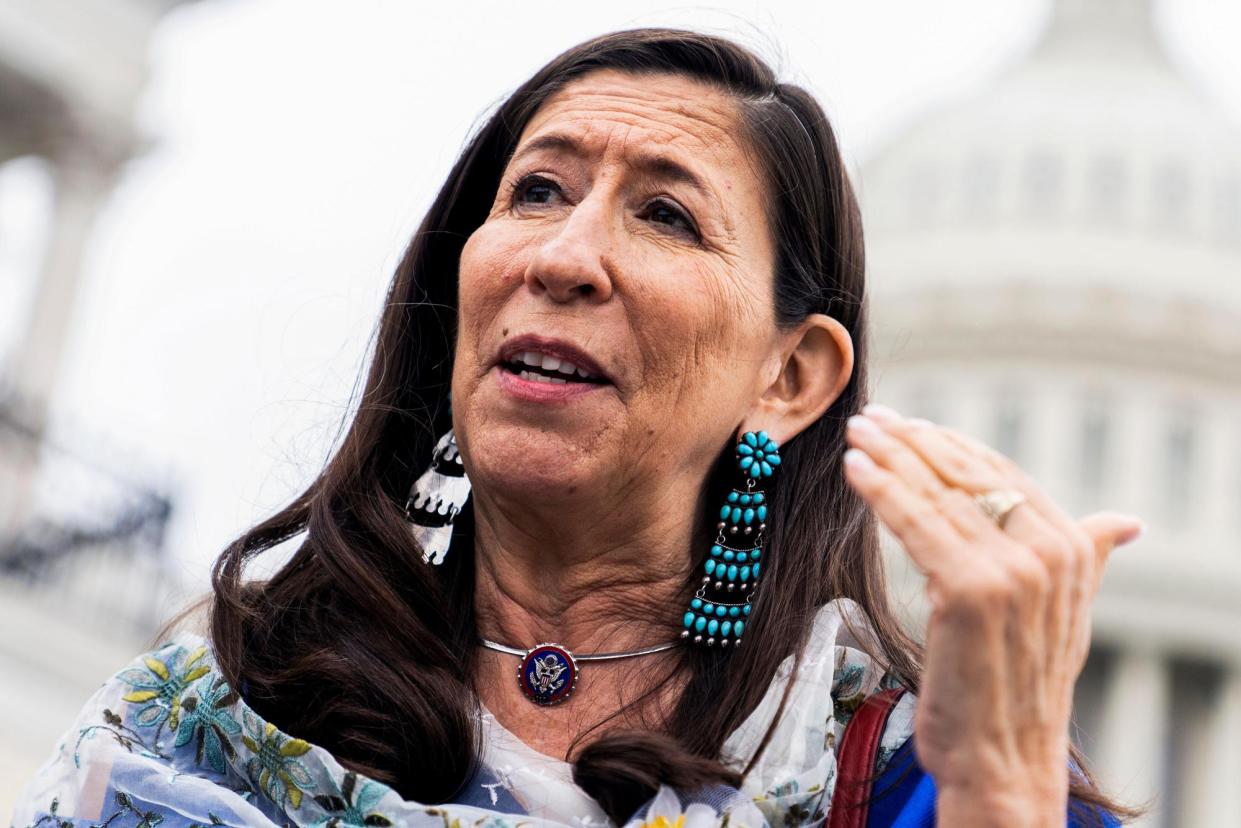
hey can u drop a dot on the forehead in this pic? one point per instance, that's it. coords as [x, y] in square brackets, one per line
[621, 113]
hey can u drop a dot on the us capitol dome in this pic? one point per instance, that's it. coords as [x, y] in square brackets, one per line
[1055, 268]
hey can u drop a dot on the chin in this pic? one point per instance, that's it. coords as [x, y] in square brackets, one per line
[529, 462]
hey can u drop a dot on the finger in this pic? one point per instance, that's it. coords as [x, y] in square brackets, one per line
[1056, 563]
[927, 536]
[1107, 530]
[899, 458]
[1073, 561]
[959, 465]
[1022, 481]
[971, 464]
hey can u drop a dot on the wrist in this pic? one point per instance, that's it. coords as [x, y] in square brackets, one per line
[999, 806]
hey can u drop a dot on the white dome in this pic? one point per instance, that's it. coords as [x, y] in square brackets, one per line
[1091, 170]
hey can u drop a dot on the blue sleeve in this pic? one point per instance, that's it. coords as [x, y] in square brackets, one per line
[904, 797]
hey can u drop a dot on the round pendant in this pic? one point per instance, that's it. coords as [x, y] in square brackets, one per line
[547, 674]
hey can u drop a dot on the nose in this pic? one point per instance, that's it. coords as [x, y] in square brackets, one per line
[571, 264]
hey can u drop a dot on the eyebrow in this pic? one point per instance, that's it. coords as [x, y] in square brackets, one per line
[654, 165]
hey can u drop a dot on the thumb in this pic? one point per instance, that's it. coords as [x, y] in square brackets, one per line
[1108, 530]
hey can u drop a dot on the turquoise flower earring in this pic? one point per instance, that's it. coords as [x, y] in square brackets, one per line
[715, 614]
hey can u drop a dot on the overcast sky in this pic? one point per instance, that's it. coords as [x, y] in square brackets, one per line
[233, 283]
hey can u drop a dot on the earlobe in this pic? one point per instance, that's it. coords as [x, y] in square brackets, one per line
[816, 365]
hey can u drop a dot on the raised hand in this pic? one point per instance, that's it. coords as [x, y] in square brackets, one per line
[1009, 624]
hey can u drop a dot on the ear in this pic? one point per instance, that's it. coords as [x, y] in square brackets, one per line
[815, 364]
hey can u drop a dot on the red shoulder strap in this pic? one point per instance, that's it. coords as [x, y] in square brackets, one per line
[855, 760]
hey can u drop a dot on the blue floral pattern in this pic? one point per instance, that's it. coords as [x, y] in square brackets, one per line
[167, 742]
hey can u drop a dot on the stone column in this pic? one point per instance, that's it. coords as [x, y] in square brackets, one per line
[1134, 728]
[82, 185]
[1222, 801]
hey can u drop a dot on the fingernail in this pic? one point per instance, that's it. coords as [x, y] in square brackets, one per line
[864, 425]
[880, 412]
[1131, 534]
[858, 459]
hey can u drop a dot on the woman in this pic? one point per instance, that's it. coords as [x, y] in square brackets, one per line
[642, 288]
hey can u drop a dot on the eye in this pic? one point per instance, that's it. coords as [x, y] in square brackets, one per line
[662, 211]
[534, 189]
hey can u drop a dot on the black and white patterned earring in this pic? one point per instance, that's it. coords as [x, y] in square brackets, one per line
[436, 498]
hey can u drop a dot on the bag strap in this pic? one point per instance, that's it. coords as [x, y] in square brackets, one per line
[855, 761]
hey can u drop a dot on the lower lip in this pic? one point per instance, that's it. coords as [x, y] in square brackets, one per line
[543, 391]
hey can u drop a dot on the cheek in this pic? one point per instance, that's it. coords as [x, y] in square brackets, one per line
[701, 336]
[486, 278]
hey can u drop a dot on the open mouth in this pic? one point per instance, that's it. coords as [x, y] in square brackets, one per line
[537, 367]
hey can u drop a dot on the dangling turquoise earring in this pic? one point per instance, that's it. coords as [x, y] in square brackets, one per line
[732, 568]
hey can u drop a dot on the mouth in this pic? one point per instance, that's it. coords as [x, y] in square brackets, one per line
[549, 361]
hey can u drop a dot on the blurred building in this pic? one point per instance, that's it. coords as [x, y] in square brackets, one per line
[81, 530]
[1056, 269]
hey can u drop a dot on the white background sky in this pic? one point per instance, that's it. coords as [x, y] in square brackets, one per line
[235, 278]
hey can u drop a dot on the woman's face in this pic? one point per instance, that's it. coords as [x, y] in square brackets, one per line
[628, 238]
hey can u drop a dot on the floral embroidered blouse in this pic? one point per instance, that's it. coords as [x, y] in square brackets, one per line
[167, 742]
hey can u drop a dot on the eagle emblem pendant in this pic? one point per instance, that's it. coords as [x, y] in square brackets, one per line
[547, 674]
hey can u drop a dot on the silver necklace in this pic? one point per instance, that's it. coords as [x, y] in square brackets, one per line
[548, 672]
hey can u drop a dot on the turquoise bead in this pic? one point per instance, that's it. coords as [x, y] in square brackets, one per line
[696, 603]
[762, 512]
[741, 557]
[709, 608]
[754, 569]
[725, 512]
[700, 624]
[746, 448]
[746, 462]
[745, 573]
[746, 609]
[732, 572]
[726, 628]
[713, 626]
[721, 611]
[738, 628]
[729, 555]
[762, 438]
[759, 497]
[736, 514]
[710, 566]
[754, 553]
[732, 497]
[745, 500]
[689, 620]
[766, 469]
[749, 516]
[773, 459]
[717, 550]
[734, 611]
[749, 438]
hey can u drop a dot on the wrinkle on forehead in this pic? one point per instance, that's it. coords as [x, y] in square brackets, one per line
[669, 110]
[694, 103]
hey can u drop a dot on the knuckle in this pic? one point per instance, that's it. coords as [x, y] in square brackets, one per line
[1056, 553]
[1030, 575]
[977, 590]
[945, 498]
[958, 466]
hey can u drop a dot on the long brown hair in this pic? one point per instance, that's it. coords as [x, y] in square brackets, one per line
[358, 646]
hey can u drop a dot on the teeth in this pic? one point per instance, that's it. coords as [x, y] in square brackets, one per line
[550, 363]
[533, 377]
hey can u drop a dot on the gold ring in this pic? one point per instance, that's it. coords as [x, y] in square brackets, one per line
[997, 503]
